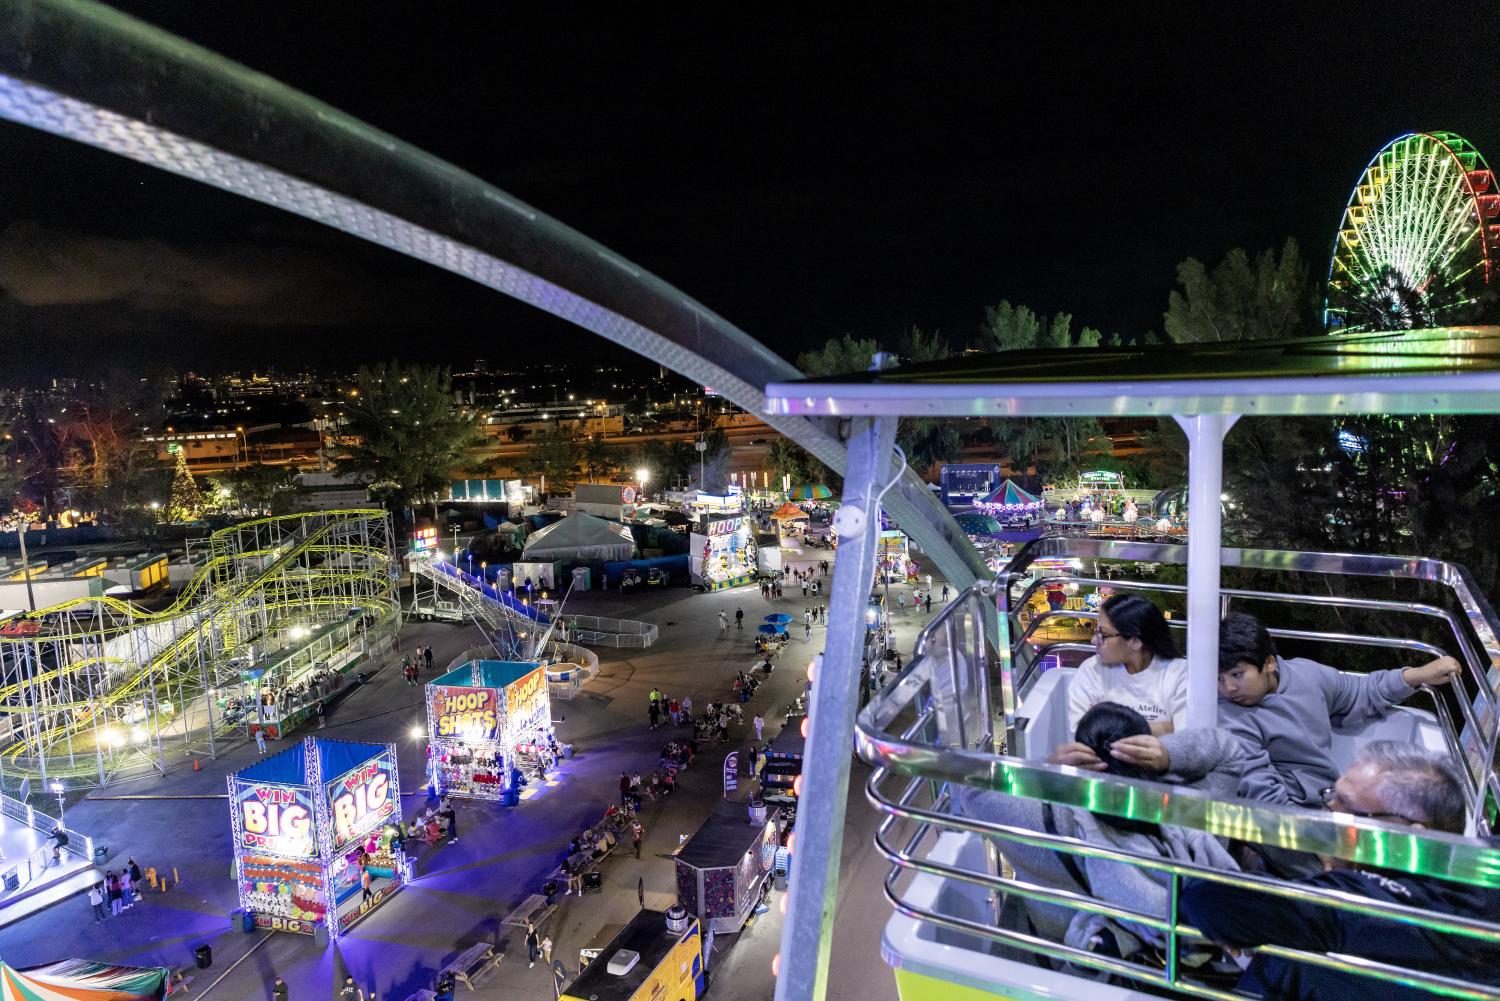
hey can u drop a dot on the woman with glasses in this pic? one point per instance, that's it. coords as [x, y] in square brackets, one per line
[1136, 663]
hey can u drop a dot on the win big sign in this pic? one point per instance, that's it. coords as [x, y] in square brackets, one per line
[276, 820]
[361, 800]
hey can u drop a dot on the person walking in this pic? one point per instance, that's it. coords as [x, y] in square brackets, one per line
[929, 602]
[759, 723]
[533, 945]
[135, 875]
[739, 618]
[322, 719]
[823, 614]
[427, 657]
[804, 586]
[96, 901]
[807, 632]
[637, 832]
[126, 895]
[724, 619]
[655, 712]
[279, 990]
[366, 885]
[116, 903]
[260, 739]
[451, 815]
[624, 788]
[945, 592]
[547, 951]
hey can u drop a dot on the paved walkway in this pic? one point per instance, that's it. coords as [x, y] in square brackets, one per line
[180, 822]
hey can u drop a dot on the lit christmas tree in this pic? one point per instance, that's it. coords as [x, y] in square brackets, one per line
[187, 501]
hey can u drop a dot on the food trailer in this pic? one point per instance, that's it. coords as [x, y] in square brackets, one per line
[723, 866]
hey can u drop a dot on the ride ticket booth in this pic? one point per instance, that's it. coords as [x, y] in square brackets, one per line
[487, 722]
[308, 824]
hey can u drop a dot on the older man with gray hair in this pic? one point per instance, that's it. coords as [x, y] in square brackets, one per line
[1392, 782]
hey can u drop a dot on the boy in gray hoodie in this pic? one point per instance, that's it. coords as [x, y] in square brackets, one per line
[1284, 710]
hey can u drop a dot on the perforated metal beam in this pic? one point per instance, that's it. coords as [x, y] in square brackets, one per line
[89, 73]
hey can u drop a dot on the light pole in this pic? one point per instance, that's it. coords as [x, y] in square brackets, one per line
[642, 475]
[58, 788]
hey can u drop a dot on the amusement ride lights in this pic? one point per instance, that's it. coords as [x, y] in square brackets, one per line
[1418, 239]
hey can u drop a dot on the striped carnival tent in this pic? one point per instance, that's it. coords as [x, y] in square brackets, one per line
[83, 980]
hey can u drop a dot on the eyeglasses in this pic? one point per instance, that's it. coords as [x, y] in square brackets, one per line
[1100, 636]
[1329, 794]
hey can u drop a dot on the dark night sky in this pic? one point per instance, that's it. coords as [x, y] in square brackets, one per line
[804, 176]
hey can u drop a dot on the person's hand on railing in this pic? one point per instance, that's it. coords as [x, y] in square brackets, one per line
[1438, 672]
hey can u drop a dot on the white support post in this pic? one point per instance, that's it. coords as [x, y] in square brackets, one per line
[807, 935]
[1205, 434]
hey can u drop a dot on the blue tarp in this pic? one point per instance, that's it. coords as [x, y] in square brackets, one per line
[675, 566]
[335, 757]
[499, 673]
[492, 673]
[289, 767]
[286, 767]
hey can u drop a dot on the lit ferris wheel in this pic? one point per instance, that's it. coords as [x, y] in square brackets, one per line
[1419, 238]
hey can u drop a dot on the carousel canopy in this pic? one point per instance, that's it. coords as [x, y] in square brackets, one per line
[809, 491]
[83, 980]
[580, 537]
[789, 512]
[1009, 497]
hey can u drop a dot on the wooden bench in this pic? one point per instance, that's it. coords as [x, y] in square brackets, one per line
[473, 963]
[533, 909]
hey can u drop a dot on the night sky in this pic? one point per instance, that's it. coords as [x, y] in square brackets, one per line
[805, 176]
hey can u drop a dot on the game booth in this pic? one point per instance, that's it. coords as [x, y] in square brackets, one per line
[308, 823]
[723, 866]
[721, 552]
[488, 721]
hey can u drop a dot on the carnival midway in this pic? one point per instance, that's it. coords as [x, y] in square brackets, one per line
[328, 755]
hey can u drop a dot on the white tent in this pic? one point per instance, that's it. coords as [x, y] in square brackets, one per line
[580, 537]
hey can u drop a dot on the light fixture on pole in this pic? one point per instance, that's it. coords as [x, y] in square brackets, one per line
[642, 475]
[58, 788]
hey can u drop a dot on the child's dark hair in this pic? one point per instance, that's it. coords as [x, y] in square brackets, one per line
[1100, 727]
[1243, 640]
[1136, 618]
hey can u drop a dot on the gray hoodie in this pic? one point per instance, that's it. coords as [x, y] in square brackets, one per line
[1288, 737]
[1209, 761]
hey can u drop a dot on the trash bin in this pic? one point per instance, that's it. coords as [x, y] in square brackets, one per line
[12, 880]
[593, 880]
[320, 932]
[204, 956]
[246, 920]
[100, 854]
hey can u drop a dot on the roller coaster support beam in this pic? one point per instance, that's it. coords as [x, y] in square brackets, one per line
[87, 72]
[806, 937]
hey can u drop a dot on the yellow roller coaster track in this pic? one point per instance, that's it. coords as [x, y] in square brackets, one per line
[215, 598]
